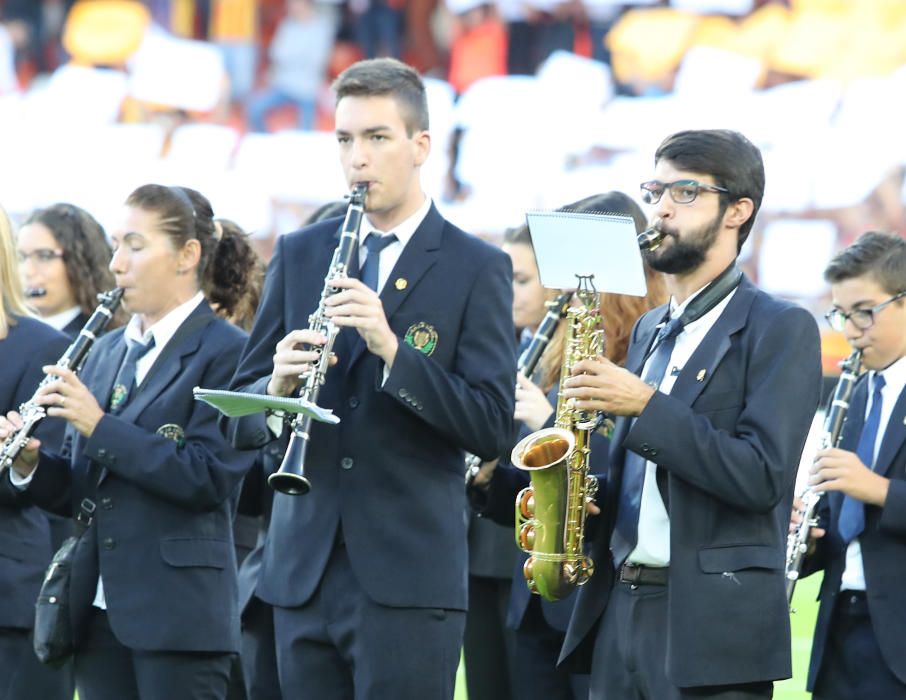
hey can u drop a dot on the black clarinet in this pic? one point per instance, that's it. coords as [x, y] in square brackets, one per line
[797, 543]
[528, 360]
[290, 478]
[33, 413]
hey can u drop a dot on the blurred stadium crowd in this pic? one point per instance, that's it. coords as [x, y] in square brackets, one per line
[534, 103]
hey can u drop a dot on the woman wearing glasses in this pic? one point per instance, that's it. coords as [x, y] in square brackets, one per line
[154, 594]
[25, 542]
[63, 257]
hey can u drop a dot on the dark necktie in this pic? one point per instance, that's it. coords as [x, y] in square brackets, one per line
[124, 386]
[375, 243]
[852, 512]
[626, 531]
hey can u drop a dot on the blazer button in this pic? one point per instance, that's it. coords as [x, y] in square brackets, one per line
[107, 503]
[102, 453]
[353, 402]
[346, 462]
[645, 447]
[403, 393]
[109, 543]
[653, 453]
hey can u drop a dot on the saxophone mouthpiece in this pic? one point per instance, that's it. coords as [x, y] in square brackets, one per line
[650, 239]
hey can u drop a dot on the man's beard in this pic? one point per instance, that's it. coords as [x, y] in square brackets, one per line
[688, 254]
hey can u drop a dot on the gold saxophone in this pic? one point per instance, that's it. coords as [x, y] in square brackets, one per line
[550, 514]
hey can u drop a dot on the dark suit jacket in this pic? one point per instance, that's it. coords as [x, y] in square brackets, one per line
[883, 543]
[25, 542]
[391, 473]
[729, 437]
[161, 537]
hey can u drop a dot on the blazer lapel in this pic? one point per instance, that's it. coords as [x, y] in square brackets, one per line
[169, 363]
[698, 371]
[417, 258]
[894, 436]
[107, 367]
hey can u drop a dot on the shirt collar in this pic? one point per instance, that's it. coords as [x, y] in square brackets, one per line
[404, 231]
[676, 310]
[894, 377]
[62, 319]
[164, 330]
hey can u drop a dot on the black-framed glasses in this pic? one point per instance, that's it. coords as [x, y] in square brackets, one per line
[863, 319]
[41, 256]
[681, 191]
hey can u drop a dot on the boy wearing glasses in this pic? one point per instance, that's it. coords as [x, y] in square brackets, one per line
[721, 384]
[858, 649]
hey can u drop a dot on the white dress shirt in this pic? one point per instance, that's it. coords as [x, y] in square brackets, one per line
[653, 547]
[62, 319]
[895, 378]
[389, 255]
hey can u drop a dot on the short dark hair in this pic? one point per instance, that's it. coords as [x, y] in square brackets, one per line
[881, 256]
[387, 77]
[729, 157]
[86, 252]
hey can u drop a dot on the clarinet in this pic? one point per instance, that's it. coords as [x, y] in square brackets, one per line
[32, 413]
[797, 543]
[529, 359]
[290, 478]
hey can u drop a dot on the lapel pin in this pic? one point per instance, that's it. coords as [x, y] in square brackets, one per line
[700, 377]
[401, 283]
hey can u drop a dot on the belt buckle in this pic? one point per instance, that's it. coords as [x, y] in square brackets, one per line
[630, 573]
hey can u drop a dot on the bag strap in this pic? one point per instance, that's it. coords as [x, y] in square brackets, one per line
[87, 507]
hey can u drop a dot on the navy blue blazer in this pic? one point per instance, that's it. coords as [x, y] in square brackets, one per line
[729, 437]
[162, 535]
[883, 543]
[25, 541]
[391, 473]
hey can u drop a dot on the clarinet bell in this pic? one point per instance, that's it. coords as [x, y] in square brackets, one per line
[290, 479]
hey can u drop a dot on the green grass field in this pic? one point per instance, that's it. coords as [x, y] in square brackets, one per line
[803, 625]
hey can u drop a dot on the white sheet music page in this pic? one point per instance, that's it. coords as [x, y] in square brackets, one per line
[603, 246]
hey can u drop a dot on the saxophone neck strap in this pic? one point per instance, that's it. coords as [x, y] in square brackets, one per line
[714, 293]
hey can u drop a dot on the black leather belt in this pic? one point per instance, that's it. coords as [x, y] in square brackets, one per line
[640, 575]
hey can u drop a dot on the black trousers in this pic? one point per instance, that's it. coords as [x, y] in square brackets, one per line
[23, 677]
[341, 645]
[259, 652]
[853, 668]
[537, 650]
[488, 646]
[629, 660]
[107, 670]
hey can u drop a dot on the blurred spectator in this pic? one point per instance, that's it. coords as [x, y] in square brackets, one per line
[378, 26]
[233, 27]
[299, 54]
[479, 47]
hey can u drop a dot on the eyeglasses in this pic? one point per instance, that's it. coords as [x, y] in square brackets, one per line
[41, 256]
[863, 319]
[681, 191]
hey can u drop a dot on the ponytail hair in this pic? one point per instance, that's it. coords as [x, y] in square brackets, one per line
[233, 281]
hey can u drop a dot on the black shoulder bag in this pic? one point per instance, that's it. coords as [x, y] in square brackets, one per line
[54, 637]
